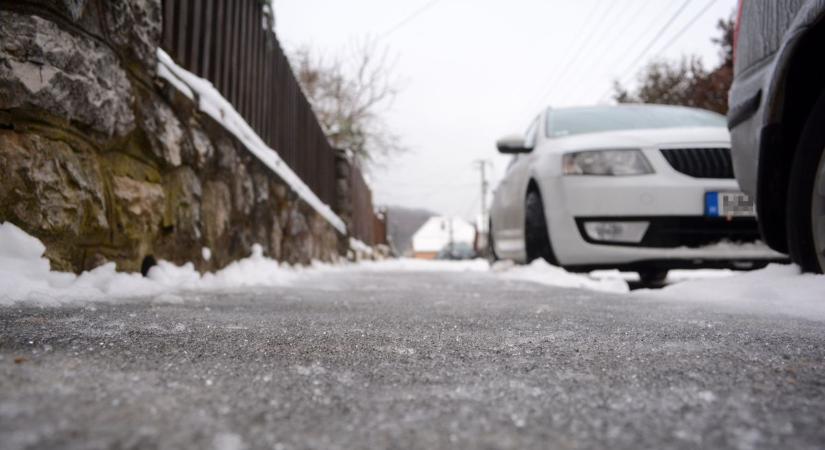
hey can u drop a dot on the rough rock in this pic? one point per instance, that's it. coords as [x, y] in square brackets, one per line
[276, 239]
[227, 156]
[202, 145]
[298, 242]
[140, 206]
[45, 68]
[183, 203]
[47, 185]
[217, 202]
[243, 191]
[261, 185]
[75, 8]
[163, 130]
[134, 27]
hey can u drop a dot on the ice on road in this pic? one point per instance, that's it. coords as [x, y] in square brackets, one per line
[405, 354]
[380, 358]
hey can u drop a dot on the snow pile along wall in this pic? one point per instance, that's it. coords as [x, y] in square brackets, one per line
[26, 276]
[104, 160]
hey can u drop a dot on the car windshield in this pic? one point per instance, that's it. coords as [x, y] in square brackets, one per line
[572, 121]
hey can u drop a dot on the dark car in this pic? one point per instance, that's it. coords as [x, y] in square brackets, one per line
[777, 122]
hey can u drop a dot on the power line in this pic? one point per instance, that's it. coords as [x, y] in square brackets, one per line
[651, 44]
[577, 55]
[596, 62]
[641, 35]
[675, 38]
[592, 14]
[685, 29]
[415, 14]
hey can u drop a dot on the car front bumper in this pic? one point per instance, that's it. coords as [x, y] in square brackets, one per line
[679, 235]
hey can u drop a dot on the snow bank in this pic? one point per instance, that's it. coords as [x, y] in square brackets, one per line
[542, 272]
[213, 104]
[777, 289]
[359, 246]
[26, 276]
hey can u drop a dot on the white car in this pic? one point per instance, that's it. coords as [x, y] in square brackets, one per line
[638, 188]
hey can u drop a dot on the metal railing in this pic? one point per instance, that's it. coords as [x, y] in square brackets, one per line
[231, 44]
[363, 226]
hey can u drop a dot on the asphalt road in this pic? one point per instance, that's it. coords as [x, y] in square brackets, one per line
[404, 360]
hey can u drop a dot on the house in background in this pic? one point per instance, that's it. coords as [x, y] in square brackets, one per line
[440, 233]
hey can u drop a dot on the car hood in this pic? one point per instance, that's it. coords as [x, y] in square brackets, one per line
[644, 138]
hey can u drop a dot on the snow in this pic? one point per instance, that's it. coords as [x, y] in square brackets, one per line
[212, 103]
[359, 246]
[26, 276]
[438, 232]
[777, 289]
[543, 273]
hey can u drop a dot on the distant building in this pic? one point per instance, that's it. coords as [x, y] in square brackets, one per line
[438, 233]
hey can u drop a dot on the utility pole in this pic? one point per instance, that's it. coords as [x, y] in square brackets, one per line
[482, 165]
[452, 239]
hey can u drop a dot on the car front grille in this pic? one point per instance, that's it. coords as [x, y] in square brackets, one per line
[701, 162]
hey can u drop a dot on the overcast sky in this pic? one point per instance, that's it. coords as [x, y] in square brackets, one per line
[475, 70]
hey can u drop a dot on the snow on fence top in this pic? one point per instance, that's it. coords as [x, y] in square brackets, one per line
[212, 103]
[232, 44]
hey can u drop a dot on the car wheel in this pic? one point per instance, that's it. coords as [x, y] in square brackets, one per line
[653, 277]
[536, 236]
[806, 195]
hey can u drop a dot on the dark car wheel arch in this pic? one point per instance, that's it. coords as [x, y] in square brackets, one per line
[802, 86]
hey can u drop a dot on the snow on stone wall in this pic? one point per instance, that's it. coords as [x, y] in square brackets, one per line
[104, 161]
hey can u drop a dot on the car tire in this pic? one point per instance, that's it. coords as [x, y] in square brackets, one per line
[806, 195]
[653, 277]
[536, 236]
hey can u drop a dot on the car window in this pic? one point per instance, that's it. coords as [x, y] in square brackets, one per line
[573, 121]
[532, 133]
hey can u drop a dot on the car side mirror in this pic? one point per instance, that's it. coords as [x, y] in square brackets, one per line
[513, 145]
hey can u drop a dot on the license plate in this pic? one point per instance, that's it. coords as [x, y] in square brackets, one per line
[729, 204]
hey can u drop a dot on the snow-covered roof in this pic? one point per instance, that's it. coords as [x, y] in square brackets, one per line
[434, 235]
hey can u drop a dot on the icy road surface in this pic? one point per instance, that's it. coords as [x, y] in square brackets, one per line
[399, 359]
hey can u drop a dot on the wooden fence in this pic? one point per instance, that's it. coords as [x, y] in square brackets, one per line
[230, 43]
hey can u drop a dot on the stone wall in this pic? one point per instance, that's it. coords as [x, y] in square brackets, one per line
[103, 161]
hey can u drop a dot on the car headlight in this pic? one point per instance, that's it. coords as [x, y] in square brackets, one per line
[607, 162]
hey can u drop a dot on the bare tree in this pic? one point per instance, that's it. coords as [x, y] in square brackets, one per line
[687, 82]
[350, 95]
